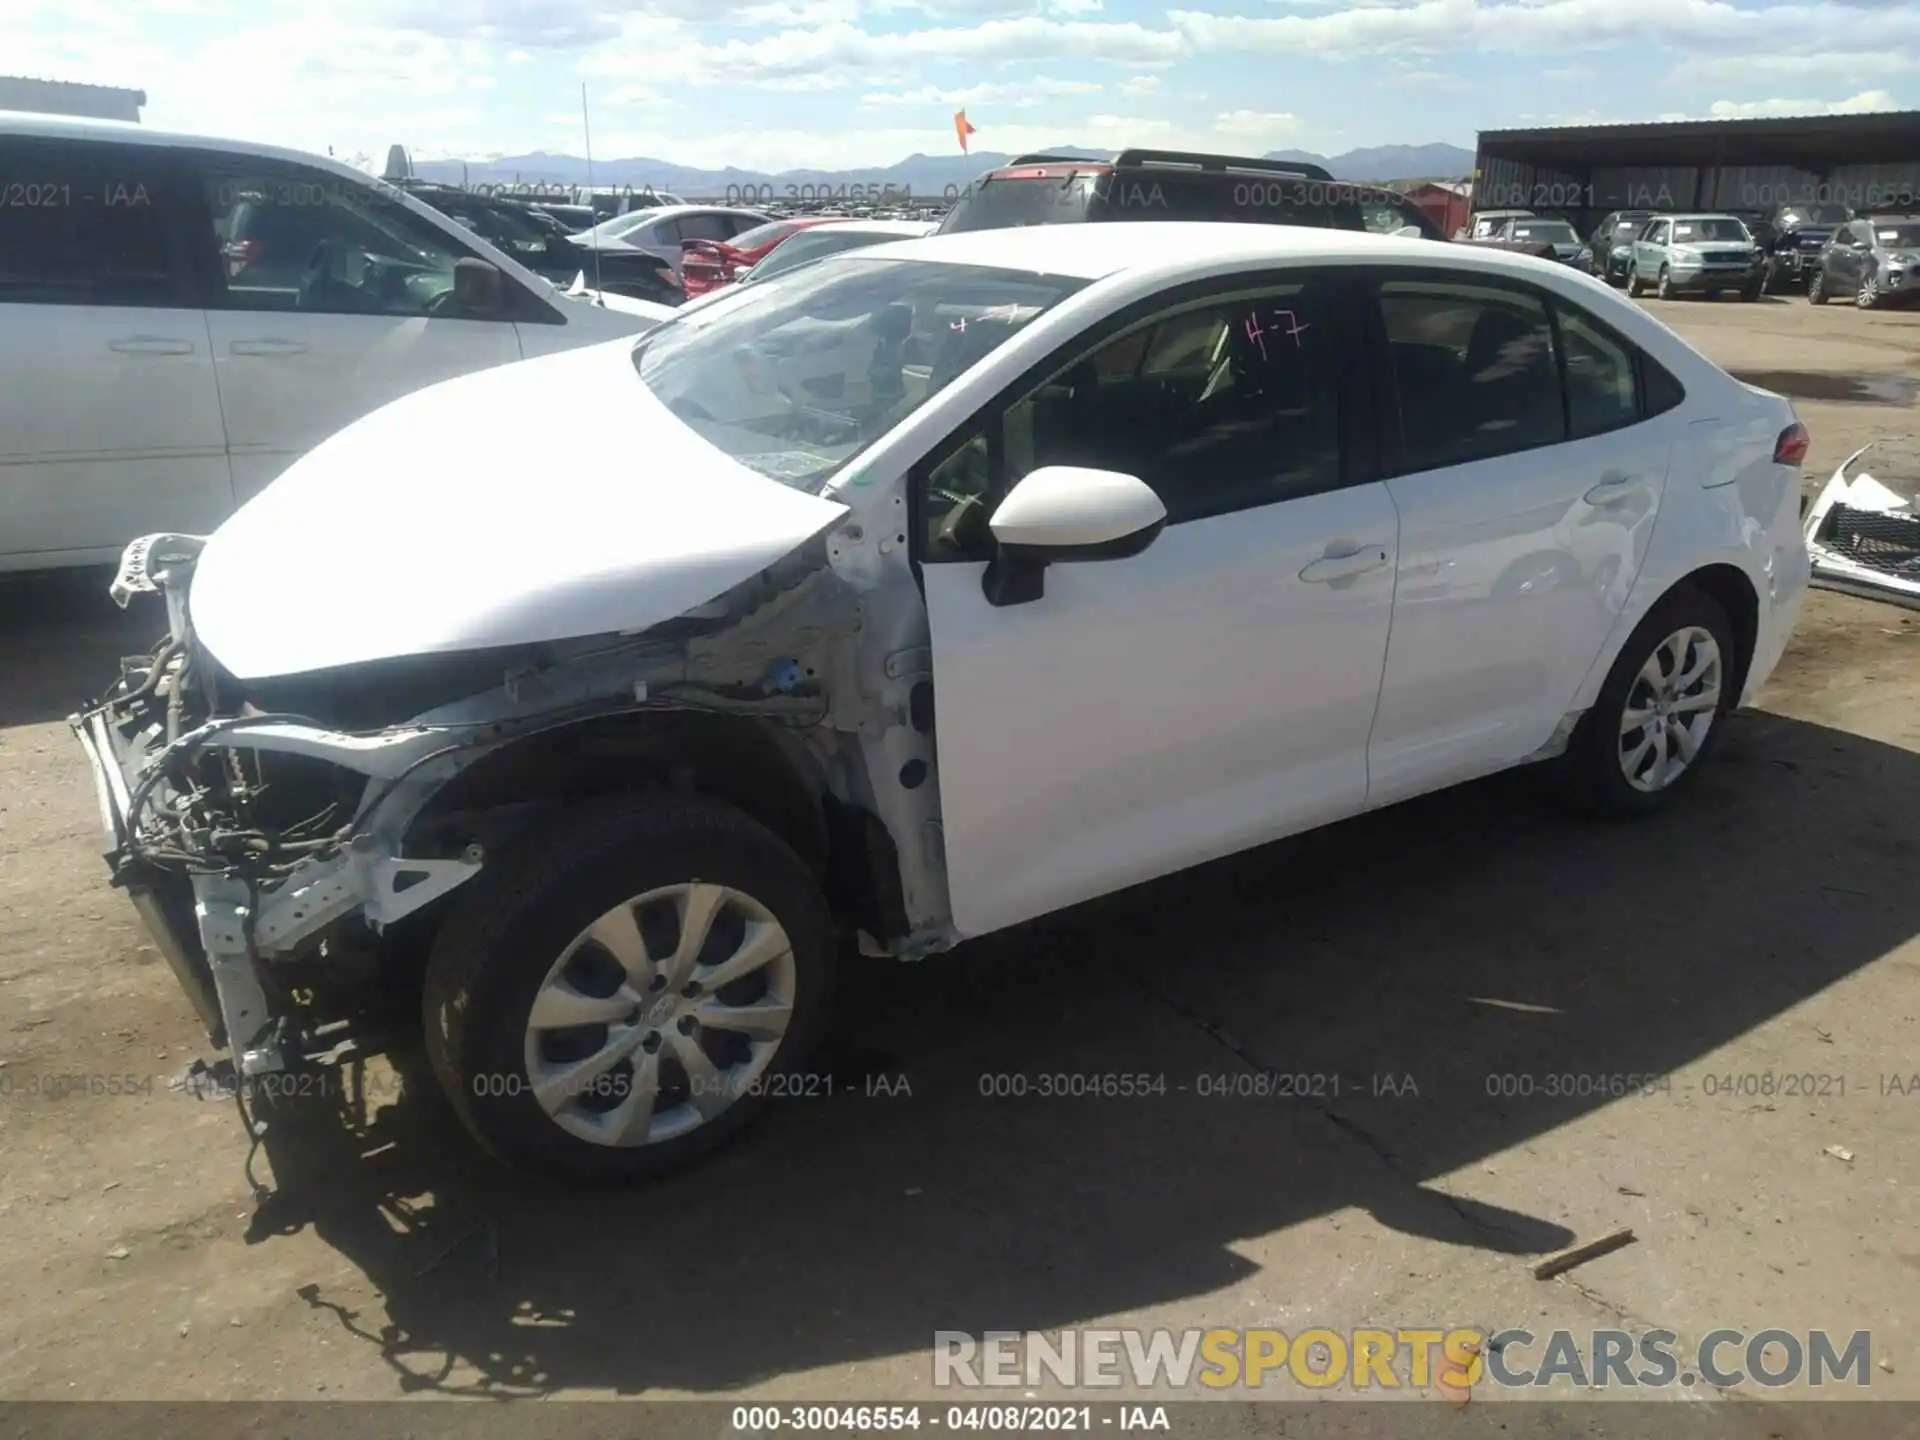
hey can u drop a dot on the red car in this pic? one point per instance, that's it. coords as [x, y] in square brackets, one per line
[708, 264]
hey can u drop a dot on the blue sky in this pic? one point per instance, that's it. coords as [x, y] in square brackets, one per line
[772, 84]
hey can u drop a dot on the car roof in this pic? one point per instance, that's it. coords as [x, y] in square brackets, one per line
[1696, 215]
[20, 124]
[1093, 252]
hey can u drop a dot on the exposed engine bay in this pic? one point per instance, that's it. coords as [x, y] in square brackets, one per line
[275, 834]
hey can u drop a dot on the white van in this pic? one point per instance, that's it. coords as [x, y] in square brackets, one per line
[181, 318]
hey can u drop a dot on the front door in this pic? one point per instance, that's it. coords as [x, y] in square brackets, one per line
[1526, 503]
[109, 419]
[329, 300]
[1213, 692]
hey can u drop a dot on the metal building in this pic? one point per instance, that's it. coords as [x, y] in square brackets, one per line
[1582, 171]
[63, 97]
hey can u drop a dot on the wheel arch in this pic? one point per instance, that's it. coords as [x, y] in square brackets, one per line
[759, 767]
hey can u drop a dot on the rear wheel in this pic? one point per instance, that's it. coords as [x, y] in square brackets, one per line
[628, 988]
[1659, 713]
[1817, 286]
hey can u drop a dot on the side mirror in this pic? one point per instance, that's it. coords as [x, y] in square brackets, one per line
[1066, 513]
[477, 288]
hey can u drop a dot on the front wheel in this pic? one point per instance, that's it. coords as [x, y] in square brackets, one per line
[1659, 713]
[1665, 288]
[1633, 282]
[1817, 287]
[629, 986]
[1868, 295]
[1750, 292]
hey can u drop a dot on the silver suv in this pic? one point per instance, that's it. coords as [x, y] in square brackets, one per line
[1875, 260]
[1702, 253]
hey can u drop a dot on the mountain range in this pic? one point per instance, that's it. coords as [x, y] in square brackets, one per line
[927, 175]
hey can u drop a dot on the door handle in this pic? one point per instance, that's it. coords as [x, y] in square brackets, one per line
[150, 345]
[267, 347]
[1613, 487]
[1342, 567]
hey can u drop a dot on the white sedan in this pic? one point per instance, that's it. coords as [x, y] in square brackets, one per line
[965, 579]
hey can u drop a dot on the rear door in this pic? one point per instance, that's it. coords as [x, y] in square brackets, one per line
[327, 299]
[109, 417]
[1527, 480]
[1212, 692]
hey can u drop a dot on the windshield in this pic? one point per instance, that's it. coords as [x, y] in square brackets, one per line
[811, 245]
[1551, 232]
[1815, 215]
[1628, 228]
[763, 235]
[1904, 236]
[1713, 227]
[994, 204]
[619, 225]
[831, 357]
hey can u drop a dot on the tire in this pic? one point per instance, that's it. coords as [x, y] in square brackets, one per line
[1594, 772]
[1750, 293]
[1817, 286]
[1868, 295]
[1664, 289]
[1633, 282]
[503, 946]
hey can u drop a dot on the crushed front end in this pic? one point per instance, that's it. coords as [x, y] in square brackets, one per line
[240, 835]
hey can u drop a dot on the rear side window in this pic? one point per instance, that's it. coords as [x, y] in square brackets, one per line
[1474, 371]
[87, 224]
[764, 234]
[1601, 394]
[705, 227]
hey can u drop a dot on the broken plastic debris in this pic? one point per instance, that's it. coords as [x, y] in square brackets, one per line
[1839, 1152]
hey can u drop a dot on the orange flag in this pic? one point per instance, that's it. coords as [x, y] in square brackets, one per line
[963, 127]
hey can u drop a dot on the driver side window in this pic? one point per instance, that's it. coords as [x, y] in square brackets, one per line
[292, 239]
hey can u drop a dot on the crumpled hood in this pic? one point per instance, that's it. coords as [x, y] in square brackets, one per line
[536, 501]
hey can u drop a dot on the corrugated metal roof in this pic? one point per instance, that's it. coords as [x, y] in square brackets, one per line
[1850, 118]
[74, 85]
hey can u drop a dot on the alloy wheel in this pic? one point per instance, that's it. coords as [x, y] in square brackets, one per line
[1670, 707]
[660, 1015]
[1868, 294]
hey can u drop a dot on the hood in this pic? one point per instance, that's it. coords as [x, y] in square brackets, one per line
[537, 501]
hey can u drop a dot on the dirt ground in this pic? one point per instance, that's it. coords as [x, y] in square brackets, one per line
[1766, 928]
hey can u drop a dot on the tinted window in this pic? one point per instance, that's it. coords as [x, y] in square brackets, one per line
[1904, 236]
[1714, 227]
[1473, 369]
[1599, 370]
[85, 224]
[1227, 405]
[660, 232]
[1660, 390]
[705, 227]
[288, 238]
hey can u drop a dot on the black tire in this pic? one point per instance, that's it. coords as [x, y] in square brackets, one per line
[1817, 286]
[1633, 282]
[1664, 289]
[497, 946]
[1592, 779]
[1750, 293]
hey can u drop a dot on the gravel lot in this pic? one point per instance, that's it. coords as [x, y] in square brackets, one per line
[1766, 927]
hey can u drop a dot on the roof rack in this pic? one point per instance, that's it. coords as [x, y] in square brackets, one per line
[1299, 169]
[1038, 158]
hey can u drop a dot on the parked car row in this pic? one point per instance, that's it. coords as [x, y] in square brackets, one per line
[1825, 250]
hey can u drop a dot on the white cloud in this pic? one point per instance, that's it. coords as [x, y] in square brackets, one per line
[1864, 102]
[1256, 124]
[1834, 65]
[1139, 87]
[1022, 95]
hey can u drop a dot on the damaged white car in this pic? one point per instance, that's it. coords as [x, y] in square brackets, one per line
[964, 579]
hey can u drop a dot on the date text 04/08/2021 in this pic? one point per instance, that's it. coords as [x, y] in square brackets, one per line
[1004, 1419]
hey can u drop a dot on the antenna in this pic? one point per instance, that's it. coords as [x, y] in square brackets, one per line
[586, 128]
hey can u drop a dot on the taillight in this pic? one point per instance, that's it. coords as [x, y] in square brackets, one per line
[1791, 447]
[240, 254]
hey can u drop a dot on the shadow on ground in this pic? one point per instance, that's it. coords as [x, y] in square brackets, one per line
[1468, 935]
[63, 639]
